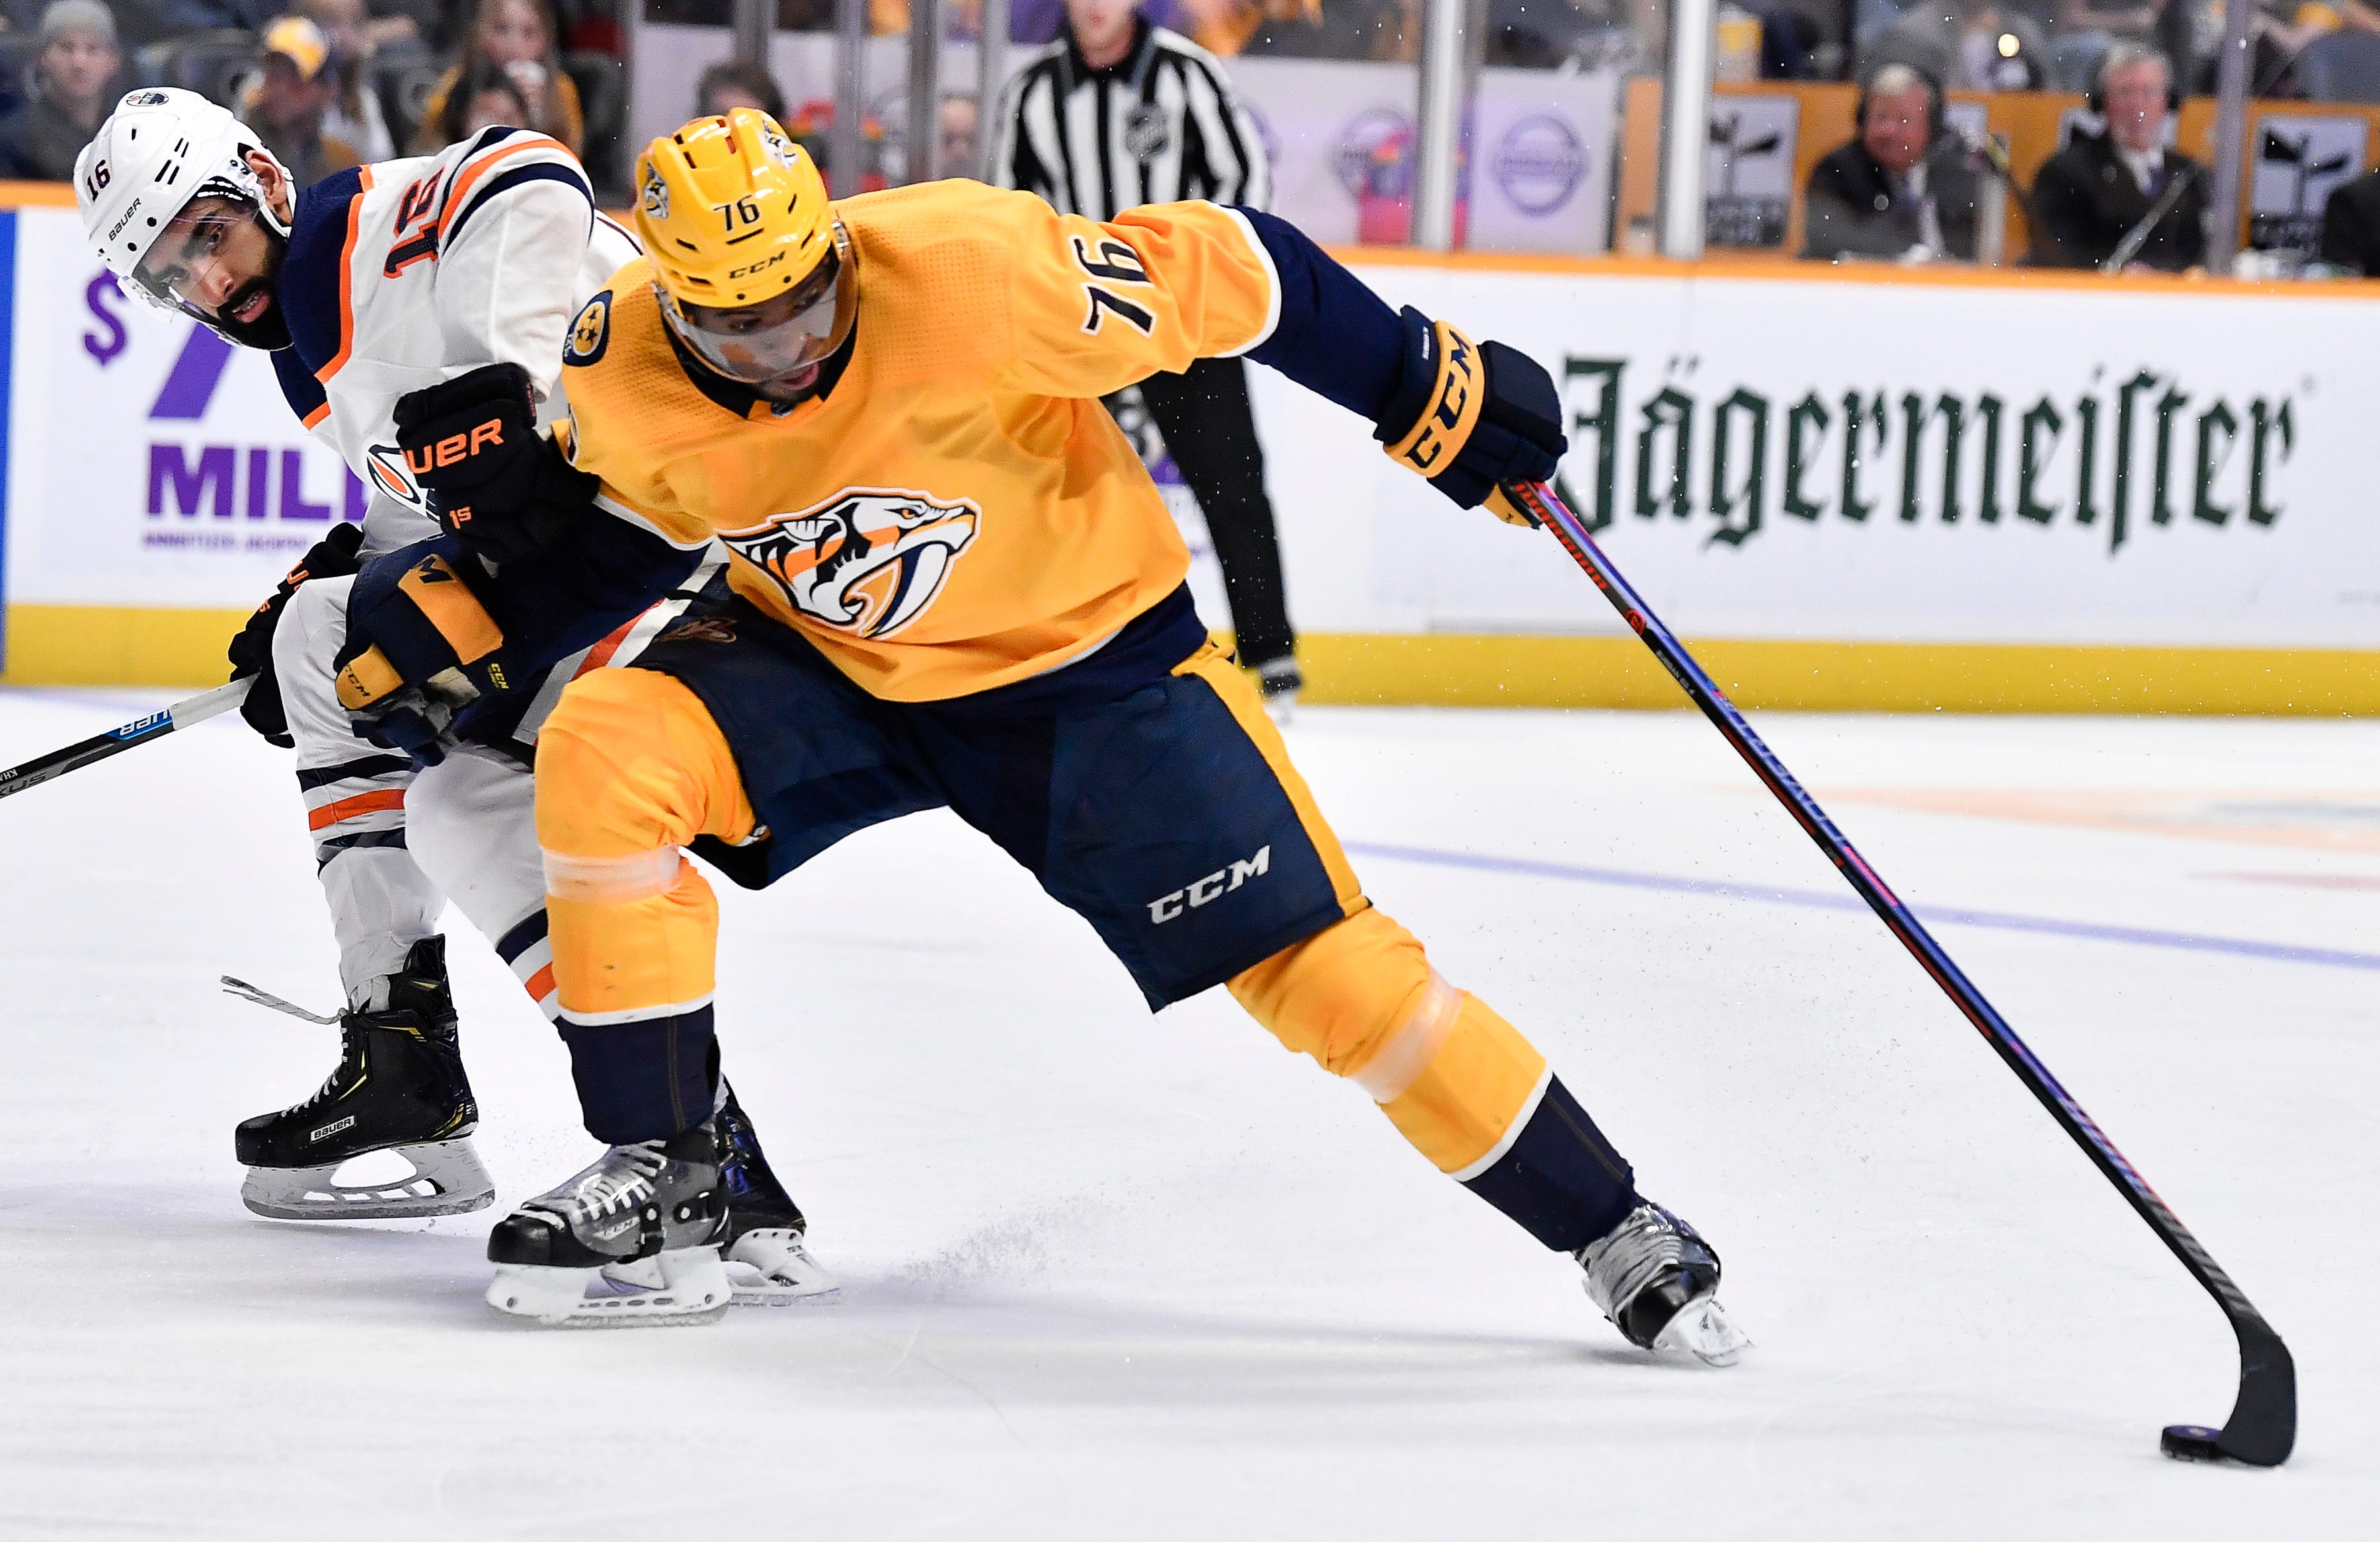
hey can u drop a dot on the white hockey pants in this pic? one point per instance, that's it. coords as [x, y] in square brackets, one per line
[388, 840]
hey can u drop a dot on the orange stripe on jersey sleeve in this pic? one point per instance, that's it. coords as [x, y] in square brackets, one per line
[352, 808]
[317, 414]
[348, 282]
[470, 177]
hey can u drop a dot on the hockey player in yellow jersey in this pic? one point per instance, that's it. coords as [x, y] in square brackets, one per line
[956, 585]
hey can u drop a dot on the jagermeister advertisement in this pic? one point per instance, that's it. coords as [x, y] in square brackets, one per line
[1926, 459]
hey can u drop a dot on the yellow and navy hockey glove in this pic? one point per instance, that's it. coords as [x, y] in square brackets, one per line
[421, 647]
[1472, 418]
[494, 482]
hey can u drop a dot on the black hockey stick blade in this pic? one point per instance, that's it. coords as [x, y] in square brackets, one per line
[115, 741]
[2263, 1422]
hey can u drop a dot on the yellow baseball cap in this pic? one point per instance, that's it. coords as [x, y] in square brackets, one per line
[299, 42]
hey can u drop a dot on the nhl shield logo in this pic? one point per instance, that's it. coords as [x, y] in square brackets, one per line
[868, 561]
[1146, 133]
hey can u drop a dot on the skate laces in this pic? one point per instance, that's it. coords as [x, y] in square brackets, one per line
[1621, 1264]
[248, 992]
[623, 1177]
[351, 1053]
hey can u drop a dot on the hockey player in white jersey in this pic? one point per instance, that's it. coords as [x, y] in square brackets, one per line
[392, 297]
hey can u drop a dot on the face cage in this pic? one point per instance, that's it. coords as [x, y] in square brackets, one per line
[810, 336]
[134, 284]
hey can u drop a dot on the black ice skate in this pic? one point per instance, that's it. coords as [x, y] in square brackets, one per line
[633, 1240]
[399, 1087]
[764, 1246]
[1657, 1281]
[1279, 680]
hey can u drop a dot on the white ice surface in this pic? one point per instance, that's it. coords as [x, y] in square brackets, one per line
[1113, 1277]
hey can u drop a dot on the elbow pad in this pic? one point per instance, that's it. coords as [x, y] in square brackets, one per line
[1472, 418]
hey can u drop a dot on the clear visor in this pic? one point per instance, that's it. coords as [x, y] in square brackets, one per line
[182, 269]
[779, 336]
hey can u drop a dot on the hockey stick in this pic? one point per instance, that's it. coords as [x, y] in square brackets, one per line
[115, 741]
[2264, 1420]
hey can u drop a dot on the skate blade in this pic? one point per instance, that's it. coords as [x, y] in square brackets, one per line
[771, 1267]
[1704, 1329]
[691, 1290]
[447, 1180]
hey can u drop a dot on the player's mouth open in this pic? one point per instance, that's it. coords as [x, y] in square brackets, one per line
[250, 306]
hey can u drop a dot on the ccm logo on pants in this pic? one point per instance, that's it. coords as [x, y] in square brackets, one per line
[1212, 887]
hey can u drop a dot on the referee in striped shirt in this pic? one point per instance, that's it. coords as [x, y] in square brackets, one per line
[1116, 113]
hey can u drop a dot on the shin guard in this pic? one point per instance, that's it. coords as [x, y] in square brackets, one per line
[1458, 1082]
[629, 768]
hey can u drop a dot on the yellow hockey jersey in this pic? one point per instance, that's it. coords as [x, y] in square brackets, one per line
[957, 511]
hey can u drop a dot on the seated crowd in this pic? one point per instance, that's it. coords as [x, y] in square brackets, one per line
[332, 83]
[328, 83]
[1909, 187]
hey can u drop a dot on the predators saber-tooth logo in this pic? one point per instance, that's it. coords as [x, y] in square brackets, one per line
[868, 561]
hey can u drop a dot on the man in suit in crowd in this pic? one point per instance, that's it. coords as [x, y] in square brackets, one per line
[1901, 190]
[2351, 226]
[2093, 193]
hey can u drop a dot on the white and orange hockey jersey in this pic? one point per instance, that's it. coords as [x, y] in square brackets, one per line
[408, 273]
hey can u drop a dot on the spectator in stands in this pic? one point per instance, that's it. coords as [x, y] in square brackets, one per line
[1895, 191]
[2093, 193]
[518, 35]
[486, 98]
[288, 103]
[2351, 226]
[75, 74]
[355, 113]
[737, 83]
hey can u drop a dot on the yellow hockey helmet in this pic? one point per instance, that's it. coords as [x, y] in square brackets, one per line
[755, 273]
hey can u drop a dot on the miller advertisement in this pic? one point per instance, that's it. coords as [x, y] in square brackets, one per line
[150, 462]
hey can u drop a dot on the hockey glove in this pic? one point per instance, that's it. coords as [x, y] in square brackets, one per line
[494, 482]
[419, 647]
[1472, 418]
[252, 649]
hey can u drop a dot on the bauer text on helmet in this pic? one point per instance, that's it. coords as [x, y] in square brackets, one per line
[756, 276]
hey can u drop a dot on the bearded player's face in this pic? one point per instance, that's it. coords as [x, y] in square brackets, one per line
[216, 256]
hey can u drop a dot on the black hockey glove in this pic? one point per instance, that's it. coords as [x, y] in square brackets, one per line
[334, 556]
[419, 647]
[494, 482]
[1472, 418]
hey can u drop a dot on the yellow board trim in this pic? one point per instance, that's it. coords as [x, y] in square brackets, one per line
[1449, 670]
[118, 645]
[100, 645]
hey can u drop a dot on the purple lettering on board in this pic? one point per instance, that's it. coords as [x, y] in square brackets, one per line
[293, 489]
[193, 485]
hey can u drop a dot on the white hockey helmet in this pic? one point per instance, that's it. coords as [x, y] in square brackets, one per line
[160, 148]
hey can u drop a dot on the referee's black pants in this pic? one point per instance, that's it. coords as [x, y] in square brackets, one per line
[1211, 434]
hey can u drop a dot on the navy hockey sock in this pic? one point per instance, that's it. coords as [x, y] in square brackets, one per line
[643, 1081]
[1560, 1178]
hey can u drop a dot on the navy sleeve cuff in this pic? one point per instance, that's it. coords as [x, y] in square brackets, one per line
[1335, 337]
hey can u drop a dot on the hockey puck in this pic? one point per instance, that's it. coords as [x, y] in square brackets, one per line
[2190, 1443]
